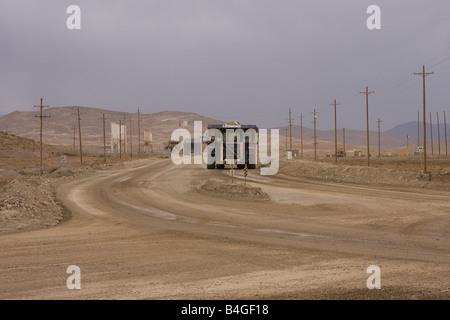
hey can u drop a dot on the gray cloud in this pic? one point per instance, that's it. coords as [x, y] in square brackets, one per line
[229, 59]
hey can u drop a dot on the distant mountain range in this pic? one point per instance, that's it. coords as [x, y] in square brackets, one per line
[411, 129]
[60, 127]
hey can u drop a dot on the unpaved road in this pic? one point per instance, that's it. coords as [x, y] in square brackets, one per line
[148, 232]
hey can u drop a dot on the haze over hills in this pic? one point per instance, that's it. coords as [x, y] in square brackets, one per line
[59, 127]
[354, 137]
[392, 138]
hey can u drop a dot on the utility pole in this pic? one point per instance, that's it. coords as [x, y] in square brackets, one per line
[290, 130]
[74, 130]
[439, 134]
[379, 138]
[424, 74]
[367, 116]
[431, 131]
[124, 121]
[343, 141]
[131, 138]
[139, 131]
[79, 135]
[407, 145]
[301, 134]
[120, 139]
[286, 130]
[315, 135]
[335, 129]
[104, 137]
[445, 132]
[41, 117]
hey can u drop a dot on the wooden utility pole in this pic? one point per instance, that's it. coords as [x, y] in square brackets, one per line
[343, 141]
[424, 74]
[286, 134]
[41, 116]
[379, 138]
[290, 129]
[104, 136]
[335, 129]
[367, 119]
[139, 131]
[79, 136]
[407, 145]
[445, 132]
[301, 134]
[124, 135]
[431, 132]
[131, 138]
[74, 130]
[439, 134]
[120, 139]
[315, 135]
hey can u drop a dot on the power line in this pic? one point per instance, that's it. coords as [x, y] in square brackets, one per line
[399, 85]
[442, 61]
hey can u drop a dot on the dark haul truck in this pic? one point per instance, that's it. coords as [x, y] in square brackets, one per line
[243, 144]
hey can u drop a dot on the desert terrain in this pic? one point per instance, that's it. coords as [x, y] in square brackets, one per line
[143, 228]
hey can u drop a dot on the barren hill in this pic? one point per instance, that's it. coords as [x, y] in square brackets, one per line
[59, 128]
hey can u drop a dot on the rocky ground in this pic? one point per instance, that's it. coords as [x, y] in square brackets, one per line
[28, 202]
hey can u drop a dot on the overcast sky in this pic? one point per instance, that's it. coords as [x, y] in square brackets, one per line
[247, 60]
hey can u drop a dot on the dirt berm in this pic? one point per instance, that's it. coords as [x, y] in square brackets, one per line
[237, 191]
[362, 175]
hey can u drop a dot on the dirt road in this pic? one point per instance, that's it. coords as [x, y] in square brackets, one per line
[150, 232]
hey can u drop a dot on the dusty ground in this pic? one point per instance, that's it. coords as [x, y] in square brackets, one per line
[150, 230]
[386, 172]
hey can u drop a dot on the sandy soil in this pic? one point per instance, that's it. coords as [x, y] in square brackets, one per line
[150, 231]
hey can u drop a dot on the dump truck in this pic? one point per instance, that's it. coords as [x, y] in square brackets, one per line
[170, 145]
[239, 141]
[340, 154]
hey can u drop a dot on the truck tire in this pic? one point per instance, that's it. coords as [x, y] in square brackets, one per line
[220, 166]
[211, 166]
[251, 166]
